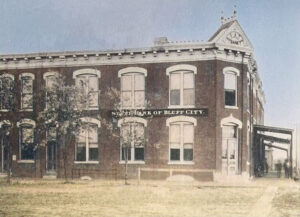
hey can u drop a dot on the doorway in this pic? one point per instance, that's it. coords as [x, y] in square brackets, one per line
[51, 157]
[229, 150]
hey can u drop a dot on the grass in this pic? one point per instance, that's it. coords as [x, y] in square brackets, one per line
[105, 198]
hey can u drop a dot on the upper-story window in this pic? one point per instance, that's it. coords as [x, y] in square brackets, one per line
[50, 81]
[26, 139]
[87, 148]
[6, 92]
[182, 85]
[230, 86]
[87, 80]
[132, 139]
[132, 87]
[26, 90]
[181, 139]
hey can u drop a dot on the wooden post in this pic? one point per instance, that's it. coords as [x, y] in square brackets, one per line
[139, 175]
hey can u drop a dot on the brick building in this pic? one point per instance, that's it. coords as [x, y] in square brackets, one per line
[203, 101]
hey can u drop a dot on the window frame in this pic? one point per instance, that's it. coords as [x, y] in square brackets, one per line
[22, 78]
[236, 72]
[3, 93]
[128, 121]
[132, 72]
[181, 121]
[87, 73]
[94, 122]
[28, 123]
[46, 77]
[182, 69]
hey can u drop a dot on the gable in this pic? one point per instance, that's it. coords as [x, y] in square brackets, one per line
[231, 33]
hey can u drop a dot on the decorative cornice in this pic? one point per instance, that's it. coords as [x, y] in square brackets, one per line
[168, 53]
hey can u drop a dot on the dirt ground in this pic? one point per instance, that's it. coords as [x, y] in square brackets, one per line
[27, 197]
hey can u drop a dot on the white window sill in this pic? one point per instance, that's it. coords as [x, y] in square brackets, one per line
[86, 162]
[26, 110]
[181, 163]
[26, 161]
[132, 162]
[132, 108]
[4, 110]
[231, 107]
[92, 109]
[180, 106]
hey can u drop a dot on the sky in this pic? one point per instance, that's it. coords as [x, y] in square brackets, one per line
[273, 27]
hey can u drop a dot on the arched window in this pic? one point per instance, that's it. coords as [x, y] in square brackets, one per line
[87, 148]
[26, 139]
[182, 85]
[230, 86]
[88, 81]
[133, 87]
[132, 139]
[50, 81]
[6, 92]
[181, 138]
[26, 90]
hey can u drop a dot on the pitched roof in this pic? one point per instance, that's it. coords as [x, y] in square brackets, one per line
[224, 26]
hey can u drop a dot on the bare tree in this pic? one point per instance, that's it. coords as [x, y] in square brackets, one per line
[64, 108]
[131, 134]
[7, 93]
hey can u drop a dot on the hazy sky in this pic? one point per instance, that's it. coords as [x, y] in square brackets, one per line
[273, 27]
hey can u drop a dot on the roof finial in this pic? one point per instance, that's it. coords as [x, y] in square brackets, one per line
[222, 17]
[234, 12]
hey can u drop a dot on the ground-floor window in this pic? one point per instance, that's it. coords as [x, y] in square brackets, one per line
[87, 149]
[26, 139]
[181, 141]
[132, 140]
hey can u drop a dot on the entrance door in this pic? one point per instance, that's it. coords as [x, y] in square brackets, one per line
[51, 156]
[229, 150]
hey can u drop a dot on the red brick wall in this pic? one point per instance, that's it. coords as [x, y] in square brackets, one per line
[209, 92]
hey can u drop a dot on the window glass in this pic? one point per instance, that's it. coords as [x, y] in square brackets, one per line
[87, 143]
[175, 81]
[93, 83]
[81, 152]
[139, 98]
[126, 99]
[188, 97]
[133, 90]
[26, 85]
[230, 81]
[181, 141]
[175, 154]
[50, 81]
[126, 82]
[93, 134]
[51, 134]
[27, 145]
[188, 80]
[132, 140]
[139, 82]
[175, 135]
[230, 97]
[175, 97]
[188, 133]
[27, 135]
[139, 153]
[27, 89]
[188, 152]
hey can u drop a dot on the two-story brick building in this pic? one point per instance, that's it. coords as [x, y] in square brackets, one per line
[203, 99]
